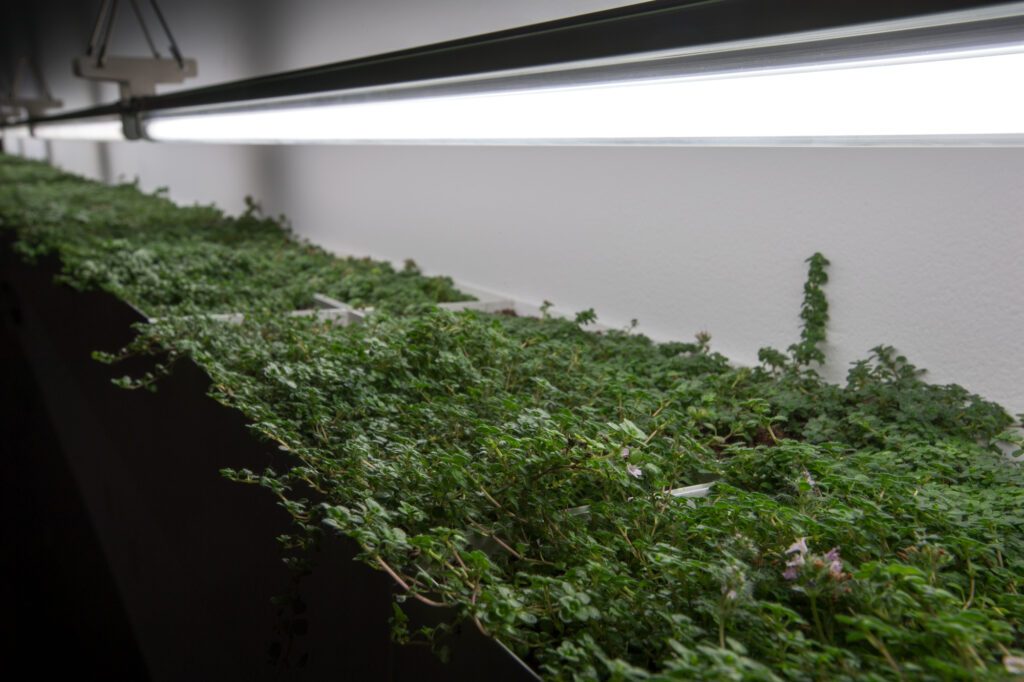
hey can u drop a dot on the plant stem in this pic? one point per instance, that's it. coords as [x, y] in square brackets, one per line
[817, 619]
[878, 644]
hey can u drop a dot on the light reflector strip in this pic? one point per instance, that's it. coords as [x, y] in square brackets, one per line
[963, 94]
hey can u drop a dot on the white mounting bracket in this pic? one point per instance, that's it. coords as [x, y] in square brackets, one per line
[136, 76]
[33, 106]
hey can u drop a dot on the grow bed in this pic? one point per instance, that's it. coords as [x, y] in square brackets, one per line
[194, 556]
[864, 531]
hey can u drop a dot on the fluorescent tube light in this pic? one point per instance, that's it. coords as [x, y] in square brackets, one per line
[97, 130]
[968, 94]
[18, 132]
[947, 79]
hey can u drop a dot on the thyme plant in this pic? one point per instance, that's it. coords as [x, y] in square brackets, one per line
[167, 259]
[521, 470]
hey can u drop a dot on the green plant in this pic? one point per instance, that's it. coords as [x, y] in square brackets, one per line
[521, 471]
[171, 260]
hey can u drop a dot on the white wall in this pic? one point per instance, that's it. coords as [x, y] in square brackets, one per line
[925, 243]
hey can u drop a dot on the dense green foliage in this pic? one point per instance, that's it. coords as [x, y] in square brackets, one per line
[520, 469]
[166, 259]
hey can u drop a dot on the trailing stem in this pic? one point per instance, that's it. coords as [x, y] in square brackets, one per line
[814, 313]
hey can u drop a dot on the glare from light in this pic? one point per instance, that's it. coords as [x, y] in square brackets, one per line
[961, 94]
[104, 130]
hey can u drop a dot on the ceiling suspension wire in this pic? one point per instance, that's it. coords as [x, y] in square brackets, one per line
[136, 76]
[175, 52]
[145, 29]
[98, 28]
[101, 60]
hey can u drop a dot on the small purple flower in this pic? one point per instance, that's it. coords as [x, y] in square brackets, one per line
[634, 470]
[835, 569]
[625, 453]
[793, 567]
[807, 477]
[799, 546]
[833, 554]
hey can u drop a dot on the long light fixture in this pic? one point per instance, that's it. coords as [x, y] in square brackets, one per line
[100, 130]
[97, 130]
[17, 132]
[970, 96]
[949, 79]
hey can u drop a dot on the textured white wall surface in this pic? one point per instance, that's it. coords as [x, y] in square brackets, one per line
[925, 244]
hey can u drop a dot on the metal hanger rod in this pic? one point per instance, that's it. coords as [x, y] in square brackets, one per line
[106, 34]
[145, 29]
[167, 29]
[97, 28]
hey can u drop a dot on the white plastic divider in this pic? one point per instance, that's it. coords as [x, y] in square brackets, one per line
[689, 493]
[490, 302]
[1013, 449]
[326, 308]
[498, 305]
[338, 312]
[332, 309]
